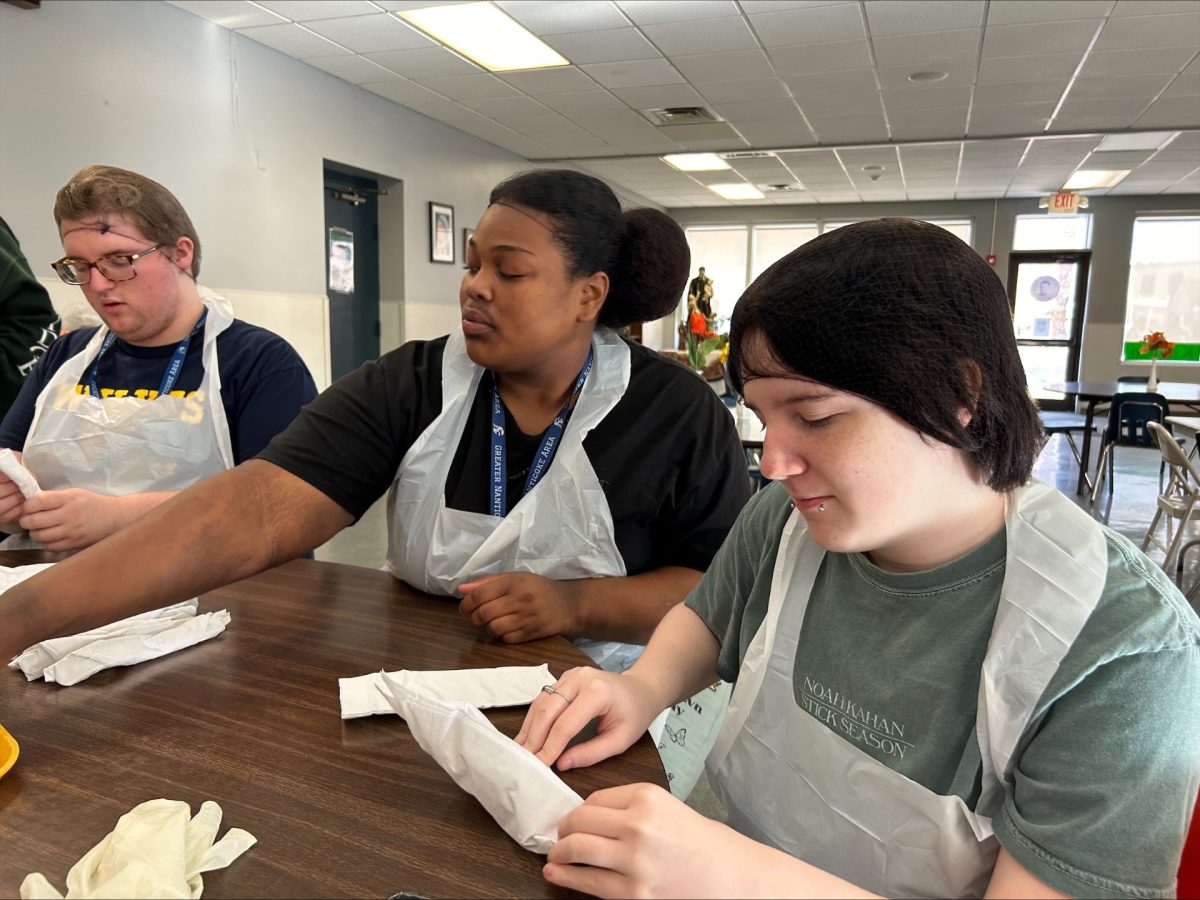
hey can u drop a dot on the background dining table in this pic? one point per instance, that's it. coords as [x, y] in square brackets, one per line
[1094, 392]
[251, 720]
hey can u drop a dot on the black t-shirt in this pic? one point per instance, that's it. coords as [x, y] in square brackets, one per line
[667, 455]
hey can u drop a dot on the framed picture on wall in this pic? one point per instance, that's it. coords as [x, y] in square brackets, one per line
[467, 234]
[441, 233]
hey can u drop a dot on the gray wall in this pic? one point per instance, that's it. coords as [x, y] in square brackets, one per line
[1112, 232]
[239, 132]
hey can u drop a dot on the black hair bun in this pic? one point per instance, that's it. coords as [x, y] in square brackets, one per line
[650, 271]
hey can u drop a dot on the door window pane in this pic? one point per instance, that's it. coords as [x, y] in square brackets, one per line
[1164, 285]
[722, 253]
[1044, 365]
[773, 242]
[1044, 301]
[1047, 232]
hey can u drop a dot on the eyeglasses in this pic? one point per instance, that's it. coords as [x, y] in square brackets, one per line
[114, 267]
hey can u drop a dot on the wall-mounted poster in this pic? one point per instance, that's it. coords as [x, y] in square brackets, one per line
[441, 233]
[341, 260]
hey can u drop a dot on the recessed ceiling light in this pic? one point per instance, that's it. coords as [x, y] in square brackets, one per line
[695, 162]
[872, 168]
[483, 33]
[739, 190]
[1094, 178]
[927, 76]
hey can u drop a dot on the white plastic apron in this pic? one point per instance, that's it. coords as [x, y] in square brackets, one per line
[562, 529]
[788, 781]
[118, 446]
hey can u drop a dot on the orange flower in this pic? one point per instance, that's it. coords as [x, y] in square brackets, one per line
[697, 324]
[1157, 345]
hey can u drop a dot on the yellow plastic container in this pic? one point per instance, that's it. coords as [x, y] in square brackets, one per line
[8, 751]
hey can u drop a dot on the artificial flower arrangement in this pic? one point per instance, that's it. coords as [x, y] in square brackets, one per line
[1156, 346]
[701, 341]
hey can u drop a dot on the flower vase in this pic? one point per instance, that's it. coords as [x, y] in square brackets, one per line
[1152, 381]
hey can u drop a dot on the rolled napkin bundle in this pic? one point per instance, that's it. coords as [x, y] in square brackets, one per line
[20, 476]
[149, 635]
[481, 688]
[524, 795]
[157, 850]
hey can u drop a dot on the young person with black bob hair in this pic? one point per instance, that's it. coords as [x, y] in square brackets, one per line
[949, 680]
[561, 478]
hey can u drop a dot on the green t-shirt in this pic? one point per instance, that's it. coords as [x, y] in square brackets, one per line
[1106, 773]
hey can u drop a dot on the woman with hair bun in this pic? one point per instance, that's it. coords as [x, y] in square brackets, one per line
[560, 478]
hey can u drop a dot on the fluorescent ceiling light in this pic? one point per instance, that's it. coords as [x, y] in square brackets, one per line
[737, 191]
[484, 34]
[1094, 178]
[695, 162]
[1146, 140]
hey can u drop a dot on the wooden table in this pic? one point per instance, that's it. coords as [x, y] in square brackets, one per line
[1094, 392]
[251, 720]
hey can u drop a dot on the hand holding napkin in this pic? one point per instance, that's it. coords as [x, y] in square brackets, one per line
[149, 635]
[156, 850]
[525, 797]
[18, 474]
[481, 688]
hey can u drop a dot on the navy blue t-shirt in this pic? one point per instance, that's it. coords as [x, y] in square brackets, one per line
[264, 383]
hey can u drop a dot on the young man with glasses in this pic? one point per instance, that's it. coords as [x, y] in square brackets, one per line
[172, 388]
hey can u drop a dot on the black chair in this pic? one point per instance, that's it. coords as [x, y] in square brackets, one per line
[1127, 418]
[1066, 424]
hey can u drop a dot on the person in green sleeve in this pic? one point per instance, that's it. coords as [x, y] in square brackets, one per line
[28, 323]
[949, 680]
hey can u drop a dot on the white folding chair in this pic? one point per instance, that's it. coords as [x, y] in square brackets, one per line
[1179, 501]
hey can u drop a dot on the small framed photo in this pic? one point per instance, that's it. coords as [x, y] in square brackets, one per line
[441, 233]
[468, 233]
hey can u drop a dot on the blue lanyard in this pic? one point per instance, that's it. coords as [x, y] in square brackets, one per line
[545, 453]
[174, 367]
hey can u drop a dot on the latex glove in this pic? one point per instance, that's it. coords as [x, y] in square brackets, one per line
[156, 850]
[624, 705]
[639, 841]
[71, 519]
[519, 606]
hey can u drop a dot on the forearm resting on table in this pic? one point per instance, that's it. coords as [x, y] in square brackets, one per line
[629, 608]
[228, 527]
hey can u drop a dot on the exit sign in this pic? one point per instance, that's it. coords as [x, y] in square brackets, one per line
[1064, 202]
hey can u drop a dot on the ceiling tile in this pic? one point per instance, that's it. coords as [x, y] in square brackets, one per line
[309, 10]
[1154, 7]
[442, 110]
[371, 34]
[636, 73]
[1064, 38]
[543, 18]
[927, 97]
[958, 71]
[707, 68]
[710, 131]
[819, 58]
[607, 45]
[535, 126]
[850, 129]
[469, 87]
[561, 80]
[758, 111]
[1136, 62]
[814, 25]
[1150, 32]
[623, 124]
[425, 62]
[1144, 86]
[920, 124]
[702, 36]
[354, 69]
[817, 88]
[1022, 92]
[885, 17]
[291, 39]
[1017, 69]
[1171, 112]
[1186, 84]
[582, 103]
[402, 91]
[228, 15]
[745, 90]
[1015, 12]
[499, 107]
[660, 96]
[653, 12]
[919, 49]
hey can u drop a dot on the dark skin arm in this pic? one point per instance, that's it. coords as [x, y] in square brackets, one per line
[228, 527]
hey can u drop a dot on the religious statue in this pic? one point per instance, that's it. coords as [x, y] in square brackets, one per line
[700, 292]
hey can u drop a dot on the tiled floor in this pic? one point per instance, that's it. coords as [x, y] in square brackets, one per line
[1132, 507]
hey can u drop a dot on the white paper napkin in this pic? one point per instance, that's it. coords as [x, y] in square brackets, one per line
[19, 475]
[524, 795]
[71, 659]
[481, 688]
[157, 850]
